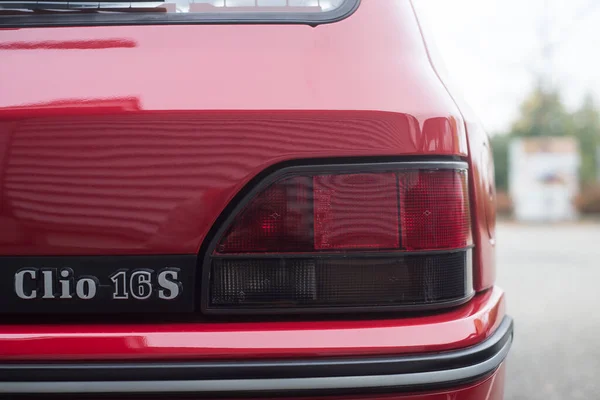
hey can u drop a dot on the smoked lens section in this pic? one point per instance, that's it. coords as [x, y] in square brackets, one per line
[330, 282]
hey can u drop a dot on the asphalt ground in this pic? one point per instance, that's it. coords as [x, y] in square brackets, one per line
[551, 275]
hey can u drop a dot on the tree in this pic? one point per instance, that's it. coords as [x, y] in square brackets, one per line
[500, 143]
[542, 114]
[586, 127]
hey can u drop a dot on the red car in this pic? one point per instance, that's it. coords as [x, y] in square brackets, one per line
[258, 198]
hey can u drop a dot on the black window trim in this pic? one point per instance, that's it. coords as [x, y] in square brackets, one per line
[226, 18]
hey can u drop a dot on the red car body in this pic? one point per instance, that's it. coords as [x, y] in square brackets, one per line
[134, 139]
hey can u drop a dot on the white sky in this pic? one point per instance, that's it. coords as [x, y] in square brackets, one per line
[493, 50]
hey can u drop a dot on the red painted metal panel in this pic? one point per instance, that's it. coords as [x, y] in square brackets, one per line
[155, 182]
[461, 327]
[134, 138]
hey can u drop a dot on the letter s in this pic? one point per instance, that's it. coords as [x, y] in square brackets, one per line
[169, 287]
[19, 284]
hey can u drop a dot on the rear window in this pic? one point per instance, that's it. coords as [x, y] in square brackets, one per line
[262, 5]
[84, 12]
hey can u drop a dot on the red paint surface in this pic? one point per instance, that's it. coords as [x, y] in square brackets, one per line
[68, 45]
[460, 327]
[155, 182]
[135, 138]
[483, 195]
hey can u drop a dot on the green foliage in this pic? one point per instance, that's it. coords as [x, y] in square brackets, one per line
[543, 114]
[586, 128]
[500, 145]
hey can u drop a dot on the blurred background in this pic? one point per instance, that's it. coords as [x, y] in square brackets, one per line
[531, 71]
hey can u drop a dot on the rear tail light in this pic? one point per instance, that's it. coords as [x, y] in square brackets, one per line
[341, 238]
[434, 209]
[356, 211]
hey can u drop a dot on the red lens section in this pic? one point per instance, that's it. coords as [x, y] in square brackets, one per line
[356, 211]
[434, 209]
[279, 219]
[409, 210]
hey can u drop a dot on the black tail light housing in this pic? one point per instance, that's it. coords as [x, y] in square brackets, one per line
[345, 238]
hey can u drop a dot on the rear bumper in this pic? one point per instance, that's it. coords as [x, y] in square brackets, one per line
[37, 340]
[290, 377]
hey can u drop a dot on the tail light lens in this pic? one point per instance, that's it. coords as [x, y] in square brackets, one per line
[434, 210]
[356, 211]
[376, 237]
[277, 220]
